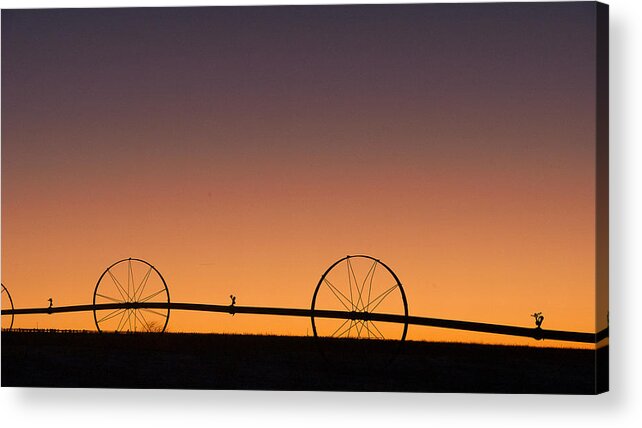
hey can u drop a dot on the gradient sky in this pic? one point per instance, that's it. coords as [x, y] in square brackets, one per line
[245, 149]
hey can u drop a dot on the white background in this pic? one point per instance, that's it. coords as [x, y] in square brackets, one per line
[622, 406]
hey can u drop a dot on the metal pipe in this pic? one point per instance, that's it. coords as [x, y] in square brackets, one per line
[536, 333]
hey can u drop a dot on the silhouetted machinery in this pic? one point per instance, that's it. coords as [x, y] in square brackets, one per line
[357, 297]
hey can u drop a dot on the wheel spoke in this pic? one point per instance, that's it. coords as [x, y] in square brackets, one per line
[111, 315]
[350, 285]
[340, 327]
[375, 327]
[142, 284]
[381, 298]
[363, 285]
[347, 330]
[154, 312]
[109, 298]
[142, 321]
[365, 324]
[374, 268]
[123, 320]
[118, 286]
[129, 274]
[359, 329]
[335, 291]
[145, 322]
[364, 328]
[152, 295]
[129, 319]
[356, 286]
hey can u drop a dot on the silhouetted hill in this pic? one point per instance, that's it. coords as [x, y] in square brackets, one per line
[214, 361]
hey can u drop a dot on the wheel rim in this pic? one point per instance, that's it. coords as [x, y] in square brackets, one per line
[360, 284]
[133, 285]
[7, 303]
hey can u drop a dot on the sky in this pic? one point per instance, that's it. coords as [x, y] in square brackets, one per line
[243, 150]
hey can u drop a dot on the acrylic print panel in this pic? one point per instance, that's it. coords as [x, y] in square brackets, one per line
[365, 198]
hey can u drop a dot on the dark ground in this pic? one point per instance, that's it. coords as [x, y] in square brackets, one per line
[211, 361]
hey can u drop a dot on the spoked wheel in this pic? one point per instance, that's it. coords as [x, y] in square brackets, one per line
[7, 304]
[131, 295]
[364, 287]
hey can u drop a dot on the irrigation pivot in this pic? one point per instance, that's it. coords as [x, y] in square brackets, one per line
[357, 297]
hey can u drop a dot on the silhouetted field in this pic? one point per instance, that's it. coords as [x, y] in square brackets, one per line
[213, 361]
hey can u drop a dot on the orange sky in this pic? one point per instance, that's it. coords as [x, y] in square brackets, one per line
[480, 197]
